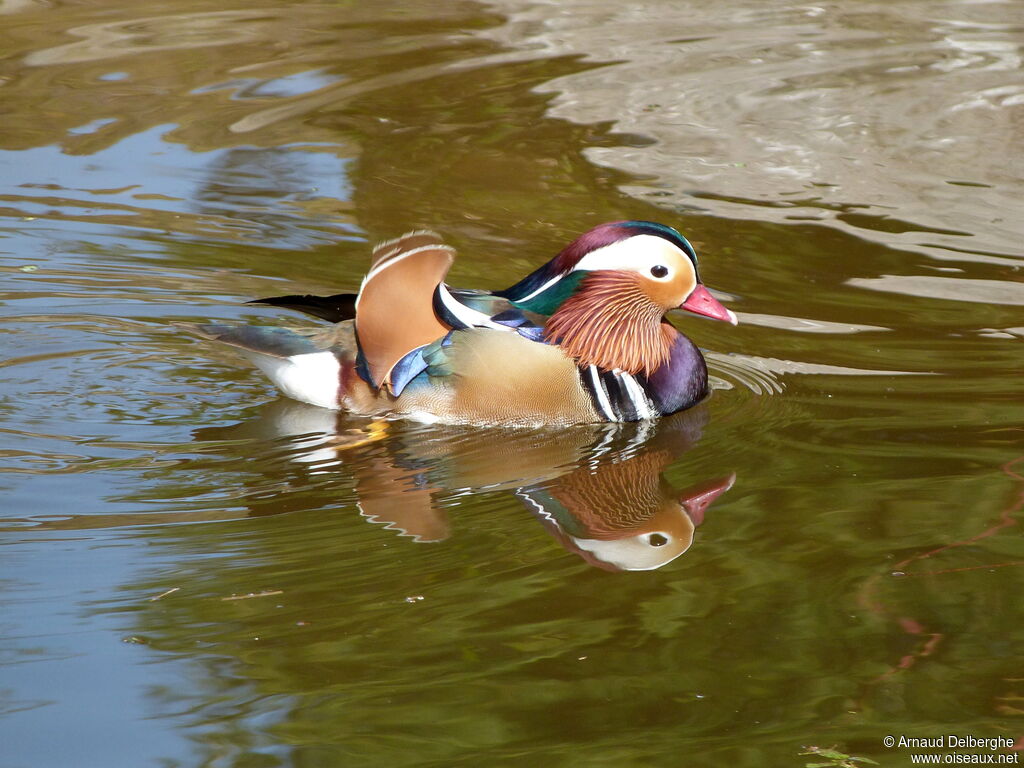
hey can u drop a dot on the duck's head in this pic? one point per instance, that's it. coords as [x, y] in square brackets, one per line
[606, 294]
[639, 263]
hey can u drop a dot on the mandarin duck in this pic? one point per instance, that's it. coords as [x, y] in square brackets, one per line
[581, 339]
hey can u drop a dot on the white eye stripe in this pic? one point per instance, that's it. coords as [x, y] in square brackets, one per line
[640, 253]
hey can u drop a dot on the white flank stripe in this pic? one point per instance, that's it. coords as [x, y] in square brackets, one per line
[467, 315]
[644, 407]
[311, 378]
[602, 396]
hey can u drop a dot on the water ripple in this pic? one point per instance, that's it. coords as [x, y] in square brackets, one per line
[784, 112]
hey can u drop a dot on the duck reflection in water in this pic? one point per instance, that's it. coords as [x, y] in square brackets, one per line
[599, 490]
[624, 515]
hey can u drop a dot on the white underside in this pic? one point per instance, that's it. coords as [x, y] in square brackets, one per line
[311, 378]
[634, 553]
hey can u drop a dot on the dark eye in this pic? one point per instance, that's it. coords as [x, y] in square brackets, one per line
[657, 539]
[659, 270]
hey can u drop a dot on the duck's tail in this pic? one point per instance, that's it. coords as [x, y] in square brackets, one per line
[297, 366]
[333, 309]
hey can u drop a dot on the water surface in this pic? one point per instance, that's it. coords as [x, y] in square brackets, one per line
[196, 572]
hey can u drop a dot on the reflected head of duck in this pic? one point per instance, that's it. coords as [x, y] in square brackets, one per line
[624, 516]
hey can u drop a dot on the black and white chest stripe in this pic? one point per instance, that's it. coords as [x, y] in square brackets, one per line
[617, 395]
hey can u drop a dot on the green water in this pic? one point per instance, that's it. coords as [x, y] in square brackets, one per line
[194, 572]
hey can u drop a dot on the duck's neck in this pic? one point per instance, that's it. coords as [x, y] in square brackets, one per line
[610, 322]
